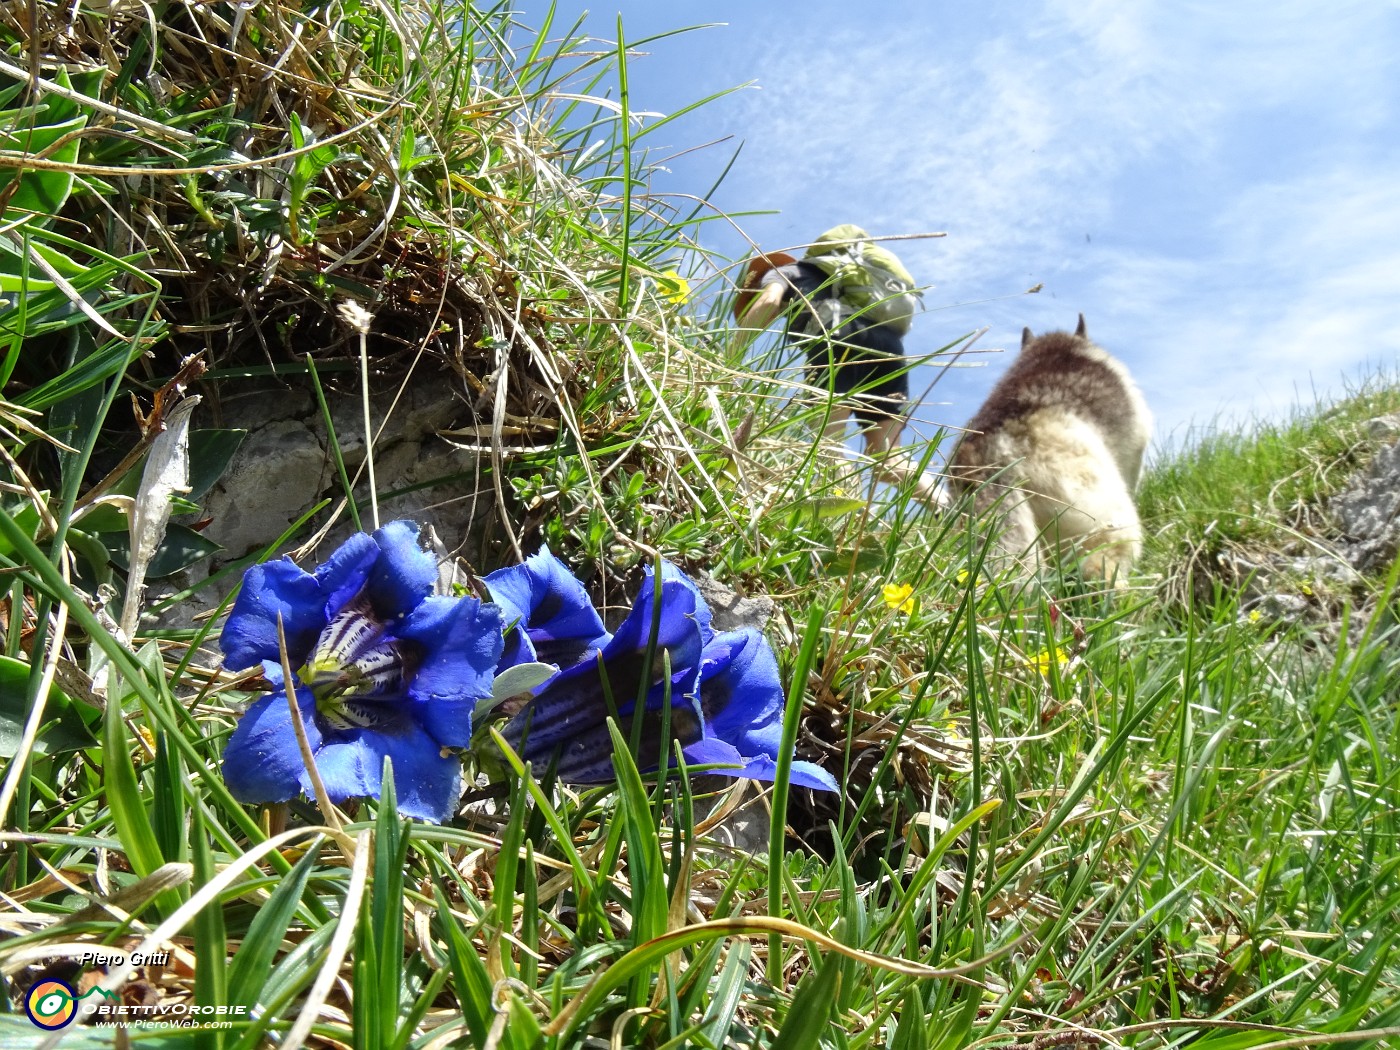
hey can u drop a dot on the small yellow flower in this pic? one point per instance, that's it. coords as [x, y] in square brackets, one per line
[1307, 591]
[962, 576]
[146, 745]
[900, 596]
[1042, 660]
[674, 287]
[1255, 616]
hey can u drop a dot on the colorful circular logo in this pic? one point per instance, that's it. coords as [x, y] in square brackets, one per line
[51, 1004]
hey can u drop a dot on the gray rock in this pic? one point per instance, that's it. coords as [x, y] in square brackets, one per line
[1368, 513]
[1383, 427]
[732, 610]
[276, 476]
[1324, 571]
[285, 467]
[1277, 608]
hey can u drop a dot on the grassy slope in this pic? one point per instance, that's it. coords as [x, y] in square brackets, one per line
[1130, 818]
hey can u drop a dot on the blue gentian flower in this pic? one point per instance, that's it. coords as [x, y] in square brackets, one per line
[384, 667]
[569, 711]
[725, 697]
[742, 701]
[554, 617]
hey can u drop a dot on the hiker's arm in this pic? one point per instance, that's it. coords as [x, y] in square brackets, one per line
[766, 306]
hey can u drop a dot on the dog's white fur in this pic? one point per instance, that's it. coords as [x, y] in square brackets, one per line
[1056, 451]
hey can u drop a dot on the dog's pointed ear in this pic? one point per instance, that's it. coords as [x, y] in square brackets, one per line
[1026, 338]
[1082, 331]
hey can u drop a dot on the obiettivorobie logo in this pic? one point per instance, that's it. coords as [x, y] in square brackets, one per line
[53, 1004]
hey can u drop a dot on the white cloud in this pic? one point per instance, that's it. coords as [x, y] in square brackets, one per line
[1210, 183]
[1231, 163]
[1299, 296]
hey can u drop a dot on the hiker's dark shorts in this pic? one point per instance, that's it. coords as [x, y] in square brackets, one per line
[863, 365]
[860, 363]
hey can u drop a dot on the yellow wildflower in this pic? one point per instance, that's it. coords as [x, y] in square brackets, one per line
[1255, 616]
[1307, 591]
[1042, 660]
[962, 576]
[900, 596]
[674, 287]
[146, 745]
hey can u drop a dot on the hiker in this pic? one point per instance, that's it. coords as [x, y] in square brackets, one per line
[852, 302]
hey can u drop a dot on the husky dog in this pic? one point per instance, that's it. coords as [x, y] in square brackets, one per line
[1056, 450]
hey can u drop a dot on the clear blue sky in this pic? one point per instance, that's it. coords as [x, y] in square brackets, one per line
[1216, 186]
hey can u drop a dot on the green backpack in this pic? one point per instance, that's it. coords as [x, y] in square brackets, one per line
[867, 278]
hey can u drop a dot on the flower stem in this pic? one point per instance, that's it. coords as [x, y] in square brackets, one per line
[323, 800]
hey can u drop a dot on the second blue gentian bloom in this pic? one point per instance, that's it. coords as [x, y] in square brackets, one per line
[722, 699]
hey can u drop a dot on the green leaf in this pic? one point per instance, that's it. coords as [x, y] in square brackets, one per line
[181, 549]
[513, 681]
[98, 367]
[391, 835]
[168, 803]
[123, 792]
[210, 454]
[64, 729]
[810, 1013]
[27, 518]
[834, 506]
[471, 982]
[727, 993]
[248, 971]
[868, 557]
[40, 191]
[912, 1031]
[645, 866]
[210, 939]
[959, 1032]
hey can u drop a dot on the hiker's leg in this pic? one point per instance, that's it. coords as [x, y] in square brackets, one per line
[880, 399]
[895, 466]
[882, 435]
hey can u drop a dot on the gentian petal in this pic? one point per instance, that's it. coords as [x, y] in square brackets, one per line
[460, 642]
[802, 774]
[552, 608]
[759, 767]
[567, 717]
[282, 587]
[682, 628]
[713, 751]
[343, 574]
[568, 706]
[573, 702]
[403, 574]
[702, 608]
[427, 783]
[518, 648]
[262, 760]
[584, 756]
[272, 671]
[808, 775]
[741, 692]
[278, 587]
